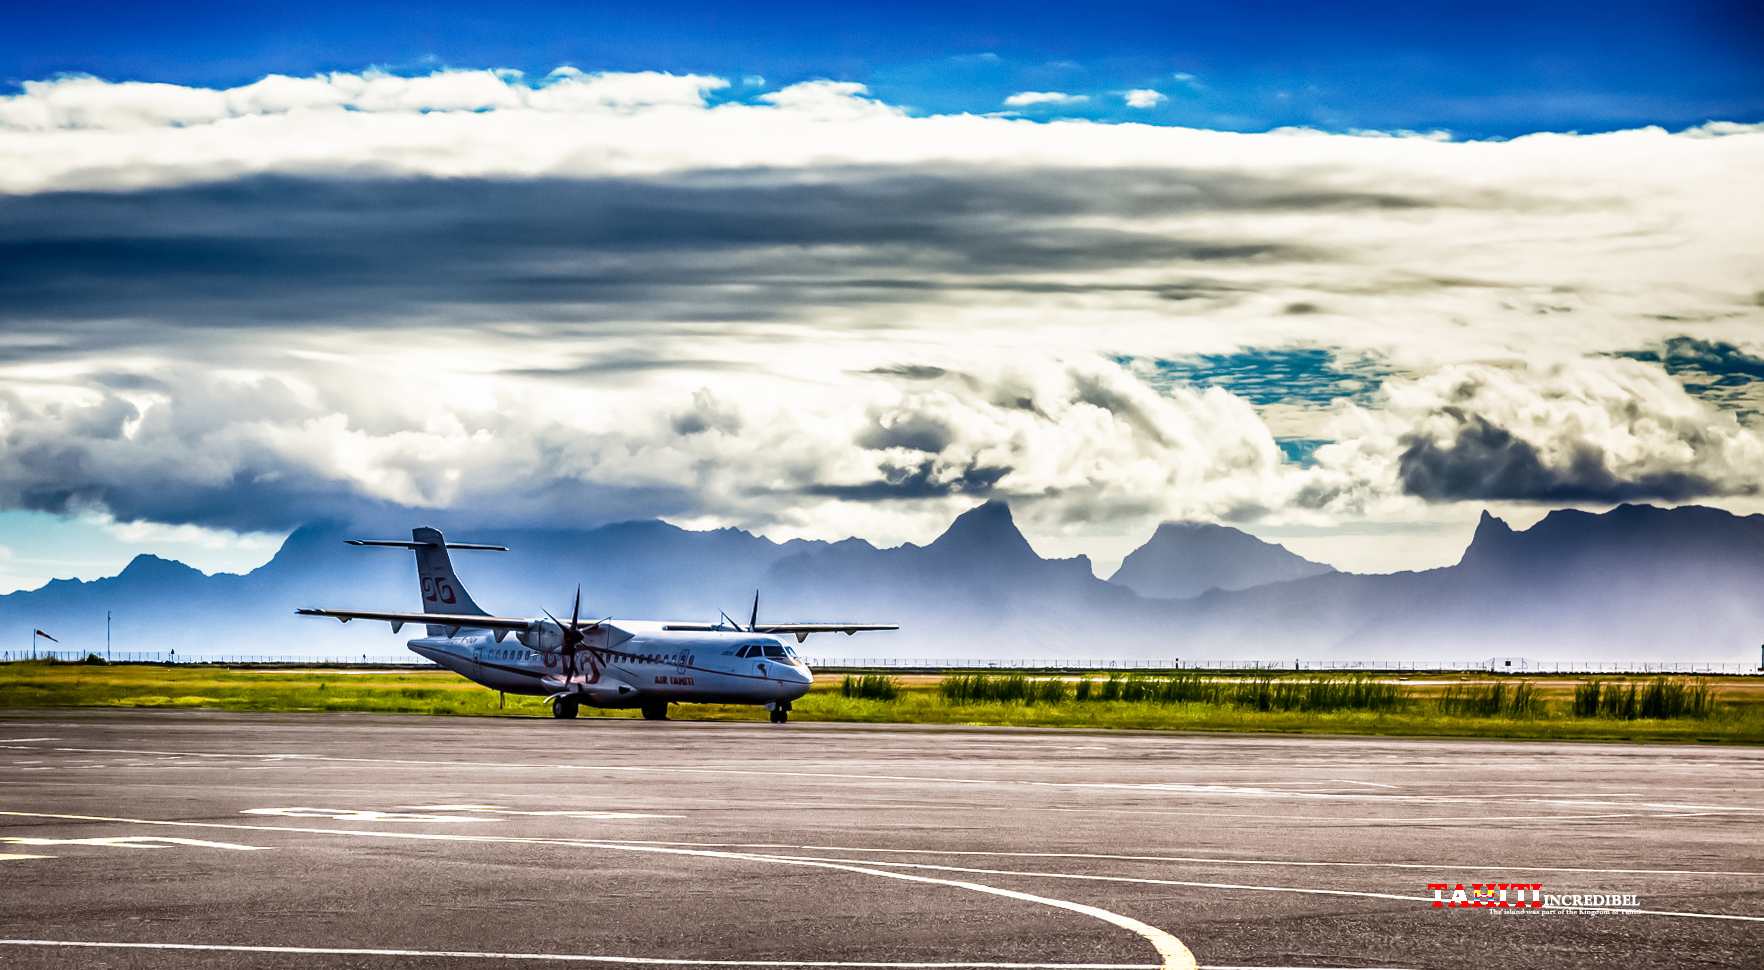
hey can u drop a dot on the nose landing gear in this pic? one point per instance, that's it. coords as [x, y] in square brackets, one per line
[780, 711]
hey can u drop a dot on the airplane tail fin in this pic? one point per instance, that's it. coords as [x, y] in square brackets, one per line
[441, 588]
[442, 591]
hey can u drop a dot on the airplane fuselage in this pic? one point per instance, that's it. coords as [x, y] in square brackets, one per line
[651, 667]
[645, 664]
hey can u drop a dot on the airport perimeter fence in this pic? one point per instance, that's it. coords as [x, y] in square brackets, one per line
[1497, 665]
[120, 657]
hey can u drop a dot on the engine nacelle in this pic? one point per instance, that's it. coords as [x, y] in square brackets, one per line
[605, 692]
[545, 636]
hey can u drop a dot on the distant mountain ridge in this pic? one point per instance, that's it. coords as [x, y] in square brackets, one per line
[1185, 559]
[1637, 582]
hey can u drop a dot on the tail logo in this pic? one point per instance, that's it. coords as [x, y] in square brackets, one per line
[433, 590]
[428, 589]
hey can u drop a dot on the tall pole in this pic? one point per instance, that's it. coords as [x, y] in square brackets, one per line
[106, 634]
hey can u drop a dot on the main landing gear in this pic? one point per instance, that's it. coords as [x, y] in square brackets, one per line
[655, 712]
[564, 707]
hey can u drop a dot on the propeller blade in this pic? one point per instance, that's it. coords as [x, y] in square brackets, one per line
[571, 637]
[753, 619]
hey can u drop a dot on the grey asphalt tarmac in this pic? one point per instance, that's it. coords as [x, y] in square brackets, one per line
[831, 844]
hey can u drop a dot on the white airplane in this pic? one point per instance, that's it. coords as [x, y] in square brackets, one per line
[646, 664]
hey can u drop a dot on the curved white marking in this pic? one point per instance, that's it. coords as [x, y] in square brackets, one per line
[1175, 955]
[589, 844]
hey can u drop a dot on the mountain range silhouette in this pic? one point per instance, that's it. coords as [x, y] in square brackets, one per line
[1634, 583]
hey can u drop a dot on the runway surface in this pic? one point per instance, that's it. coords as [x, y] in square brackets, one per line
[204, 839]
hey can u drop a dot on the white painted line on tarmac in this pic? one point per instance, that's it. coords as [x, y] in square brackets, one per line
[1201, 859]
[363, 815]
[787, 860]
[499, 810]
[641, 961]
[1381, 819]
[1132, 879]
[1175, 955]
[12, 856]
[136, 842]
[1183, 788]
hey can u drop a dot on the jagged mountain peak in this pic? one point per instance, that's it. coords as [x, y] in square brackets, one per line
[1185, 559]
[987, 529]
[150, 568]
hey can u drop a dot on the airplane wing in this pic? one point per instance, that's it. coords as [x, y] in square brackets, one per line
[799, 630]
[802, 630]
[454, 622]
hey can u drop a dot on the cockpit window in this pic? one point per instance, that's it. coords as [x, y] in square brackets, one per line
[772, 650]
[747, 651]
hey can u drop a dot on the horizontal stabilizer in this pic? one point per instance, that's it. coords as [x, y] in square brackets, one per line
[454, 622]
[408, 544]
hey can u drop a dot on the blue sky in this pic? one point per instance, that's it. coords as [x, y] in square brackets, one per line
[1477, 69]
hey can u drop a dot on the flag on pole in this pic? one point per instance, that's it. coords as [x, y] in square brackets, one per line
[46, 636]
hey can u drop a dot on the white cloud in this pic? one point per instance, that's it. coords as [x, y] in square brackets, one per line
[1589, 431]
[1023, 99]
[1145, 98]
[739, 379]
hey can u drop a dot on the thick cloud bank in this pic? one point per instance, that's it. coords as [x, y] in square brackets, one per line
[811, 313]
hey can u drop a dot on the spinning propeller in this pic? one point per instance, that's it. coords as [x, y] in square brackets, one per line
[573, 638]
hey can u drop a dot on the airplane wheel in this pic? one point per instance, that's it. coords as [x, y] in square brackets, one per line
[563, 708]
[779, 717]
[655, 712]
